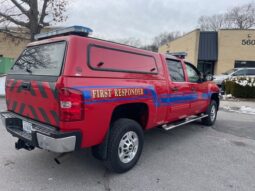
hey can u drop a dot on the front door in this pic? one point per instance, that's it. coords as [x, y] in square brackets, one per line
[177, 100]
[198, 89]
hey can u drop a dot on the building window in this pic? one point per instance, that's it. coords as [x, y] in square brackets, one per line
[244, 64]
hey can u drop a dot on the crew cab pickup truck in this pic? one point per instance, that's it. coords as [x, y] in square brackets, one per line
[68, 91]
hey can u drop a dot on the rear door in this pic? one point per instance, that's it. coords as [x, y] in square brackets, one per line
[178, 98]
[31, 83]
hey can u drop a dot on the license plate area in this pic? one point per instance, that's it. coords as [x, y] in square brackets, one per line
[27, 127]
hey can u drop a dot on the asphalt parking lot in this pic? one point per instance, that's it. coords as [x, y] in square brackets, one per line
[190, 157]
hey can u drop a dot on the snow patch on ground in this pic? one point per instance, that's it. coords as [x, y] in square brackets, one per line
[242, 109]
[225, 97]
[245, 109]
[2, 85]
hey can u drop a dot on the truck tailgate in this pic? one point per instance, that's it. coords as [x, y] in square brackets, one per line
[36, 100]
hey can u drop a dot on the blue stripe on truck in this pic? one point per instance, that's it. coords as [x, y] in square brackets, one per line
[149, 93]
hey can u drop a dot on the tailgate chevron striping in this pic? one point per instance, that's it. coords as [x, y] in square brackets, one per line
[14, 106]
[55, 116]
[41, 89]
[53, 89]
[43, 113]
[33, 112]
[32, 91]
[12, 86]
[22, 108]
[20, 88]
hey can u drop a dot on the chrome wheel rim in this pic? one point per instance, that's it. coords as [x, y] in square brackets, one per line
[213, 113]
[128, 147]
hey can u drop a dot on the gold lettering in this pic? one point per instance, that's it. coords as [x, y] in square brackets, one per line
[109, 93]
[94, 92]
[101, 93]
[124, 92]
[116, 93]
[120, 92]
[142, 92]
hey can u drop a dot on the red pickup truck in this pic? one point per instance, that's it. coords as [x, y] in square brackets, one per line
[68, 91]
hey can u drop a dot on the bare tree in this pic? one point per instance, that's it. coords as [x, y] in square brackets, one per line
[212, 23]
[23, 19]
[151, 47]
[165, 37]
[240, 17]
[129, 41]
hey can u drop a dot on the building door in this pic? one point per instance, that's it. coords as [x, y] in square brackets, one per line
[206, 67]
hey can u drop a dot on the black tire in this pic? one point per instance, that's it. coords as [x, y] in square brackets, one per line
[209, 120]
[119, 128]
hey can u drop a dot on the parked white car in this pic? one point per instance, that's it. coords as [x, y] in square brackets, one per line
[218, 79]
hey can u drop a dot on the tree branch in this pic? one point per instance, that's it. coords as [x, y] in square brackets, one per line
[14, 20]
[21, 8]
[43, 13]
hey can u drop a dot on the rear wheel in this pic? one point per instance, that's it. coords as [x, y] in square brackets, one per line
[125, 145]
[212, 114]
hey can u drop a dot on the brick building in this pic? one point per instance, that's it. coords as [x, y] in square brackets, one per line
[216, 52]
[11, 48]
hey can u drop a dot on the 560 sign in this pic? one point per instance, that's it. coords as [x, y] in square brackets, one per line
[248, 42]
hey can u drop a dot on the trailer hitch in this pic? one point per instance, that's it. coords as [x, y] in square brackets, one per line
[20, 144]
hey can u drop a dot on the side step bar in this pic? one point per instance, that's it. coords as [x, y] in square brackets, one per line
[187, 120]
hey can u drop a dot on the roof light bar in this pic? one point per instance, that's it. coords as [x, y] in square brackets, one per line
[74, 30]
[180, 55]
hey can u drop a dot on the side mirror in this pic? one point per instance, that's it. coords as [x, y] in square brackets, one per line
[209, 77]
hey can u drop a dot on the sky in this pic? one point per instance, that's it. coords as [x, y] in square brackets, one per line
[143, 19]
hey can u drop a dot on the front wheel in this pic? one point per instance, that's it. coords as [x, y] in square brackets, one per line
[125, 145]
[212, 114]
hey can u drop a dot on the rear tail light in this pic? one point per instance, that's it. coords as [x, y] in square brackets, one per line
[71, 105]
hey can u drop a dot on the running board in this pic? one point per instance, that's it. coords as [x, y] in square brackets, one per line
[187, 120]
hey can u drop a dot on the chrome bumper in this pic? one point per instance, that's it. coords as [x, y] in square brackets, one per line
[59, 145]
[42, 136]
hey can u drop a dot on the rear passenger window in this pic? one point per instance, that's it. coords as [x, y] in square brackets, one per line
[109, 59]
[176, 71]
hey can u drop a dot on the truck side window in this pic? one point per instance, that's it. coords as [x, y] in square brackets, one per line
[176, 71]
[193, 75]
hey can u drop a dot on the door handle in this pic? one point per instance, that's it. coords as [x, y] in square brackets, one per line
[25, 85]
[174, 89]
[193, 89]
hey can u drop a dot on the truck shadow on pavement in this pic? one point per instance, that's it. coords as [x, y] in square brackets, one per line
[82, 161]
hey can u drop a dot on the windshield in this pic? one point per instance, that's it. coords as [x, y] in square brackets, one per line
[43, 59]
[229, 72]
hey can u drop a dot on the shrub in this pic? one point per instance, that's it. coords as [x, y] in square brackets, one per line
[242, 87]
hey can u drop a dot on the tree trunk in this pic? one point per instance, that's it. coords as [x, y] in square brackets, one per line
[34, 19]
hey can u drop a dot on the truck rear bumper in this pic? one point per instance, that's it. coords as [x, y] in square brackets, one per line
[41, 135]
